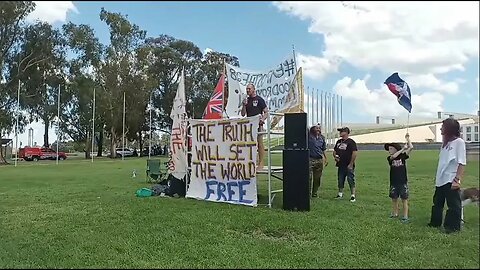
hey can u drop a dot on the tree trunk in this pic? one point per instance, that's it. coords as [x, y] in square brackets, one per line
[113, 140]
[2, 157]
[100, 143]
[88, 147]
[140, 140]
[45, 135]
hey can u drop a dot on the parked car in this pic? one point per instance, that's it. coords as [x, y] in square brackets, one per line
[125, 152]
[39, 153]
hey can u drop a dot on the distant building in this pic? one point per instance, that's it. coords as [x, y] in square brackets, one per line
[419, 133]
[470, 132]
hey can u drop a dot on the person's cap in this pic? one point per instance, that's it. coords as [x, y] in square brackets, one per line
[344, 129]
[394, 145]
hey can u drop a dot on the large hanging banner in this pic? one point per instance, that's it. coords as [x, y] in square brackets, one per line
[272, 85]
[224, 154]
[178, 164]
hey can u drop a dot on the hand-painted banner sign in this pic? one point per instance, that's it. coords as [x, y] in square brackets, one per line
[272, 85]
[224, 154]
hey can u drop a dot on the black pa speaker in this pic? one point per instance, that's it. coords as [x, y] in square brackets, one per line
[296, 131]
[296, 182]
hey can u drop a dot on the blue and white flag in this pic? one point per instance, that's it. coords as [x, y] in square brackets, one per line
[400, 89]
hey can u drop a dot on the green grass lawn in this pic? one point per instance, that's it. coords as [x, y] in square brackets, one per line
[84, 215]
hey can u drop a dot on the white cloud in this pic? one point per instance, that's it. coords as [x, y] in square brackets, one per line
[429, 81]
[52, 11]
[413, 37]
[381, 102]
[317, 67]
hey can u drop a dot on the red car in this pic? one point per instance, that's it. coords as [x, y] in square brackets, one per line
[37, 153]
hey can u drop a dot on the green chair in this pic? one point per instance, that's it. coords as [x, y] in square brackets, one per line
[153, 171]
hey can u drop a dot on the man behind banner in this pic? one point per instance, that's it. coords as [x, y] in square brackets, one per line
[255, 105]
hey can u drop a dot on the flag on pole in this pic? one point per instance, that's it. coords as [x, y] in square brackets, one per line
[178, 165]
[400, 89]
[214, 108]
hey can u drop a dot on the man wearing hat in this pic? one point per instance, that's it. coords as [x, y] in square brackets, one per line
[345, 153]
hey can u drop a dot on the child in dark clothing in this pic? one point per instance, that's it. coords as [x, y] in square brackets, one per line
[398, 175]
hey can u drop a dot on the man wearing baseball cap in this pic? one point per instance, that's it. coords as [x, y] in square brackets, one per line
[345, 153]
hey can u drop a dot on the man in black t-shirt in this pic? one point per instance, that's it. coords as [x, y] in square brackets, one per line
[255, 105]
[345, 153]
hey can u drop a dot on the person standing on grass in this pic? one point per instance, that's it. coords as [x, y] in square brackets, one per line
[251, 106]
[451, 165]
[345, 154]
[318, 159]
[398, 175]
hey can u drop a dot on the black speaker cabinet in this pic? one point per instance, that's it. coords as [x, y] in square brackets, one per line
[296, 184]
[296, 131]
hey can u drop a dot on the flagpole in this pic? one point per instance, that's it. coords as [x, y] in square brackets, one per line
[16, 124]
[341, 110]
[321, 110]
[223, 86]
[58, 120]
[318, 121]
[408, 121]
[334, 112]
[150, 124]
[93, 123]
[294, 57]
[123, 129]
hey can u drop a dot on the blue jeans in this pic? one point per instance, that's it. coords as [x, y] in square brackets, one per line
[344, 172]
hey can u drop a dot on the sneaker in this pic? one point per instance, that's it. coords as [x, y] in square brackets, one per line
[314, 195]
[450, 231]
[404, 220]
[352, 199]
[393, 216]
[339, 196]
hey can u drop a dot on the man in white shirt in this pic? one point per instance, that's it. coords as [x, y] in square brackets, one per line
[451, 166]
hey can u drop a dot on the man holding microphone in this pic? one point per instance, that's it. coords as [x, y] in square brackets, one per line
[255, 105]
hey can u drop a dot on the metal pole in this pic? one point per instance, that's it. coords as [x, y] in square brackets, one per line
[318, 121]
[123, 129]
[16, 124]
[93, 123]
[338, 110]
[311, 104]
[322, 110]
[332, 117]
[334, 114]
[269, 158]
[309, 109]
[150, 143]
[294, 58]
[58, 120]
[341, 110]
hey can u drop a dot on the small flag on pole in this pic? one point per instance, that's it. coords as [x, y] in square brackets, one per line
[400, 89]
[214, 109]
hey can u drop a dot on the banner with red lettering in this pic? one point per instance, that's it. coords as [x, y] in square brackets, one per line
[178, 164]
[224, 154]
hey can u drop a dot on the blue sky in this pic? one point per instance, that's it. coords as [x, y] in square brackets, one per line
[372, 40]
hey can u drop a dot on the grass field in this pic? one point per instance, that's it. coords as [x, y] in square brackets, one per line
[84, 215]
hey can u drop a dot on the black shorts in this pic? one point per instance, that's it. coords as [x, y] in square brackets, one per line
[399, 191]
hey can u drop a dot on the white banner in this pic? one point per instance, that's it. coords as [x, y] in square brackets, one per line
[224, 154]
[178, 164]
[273, 86]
